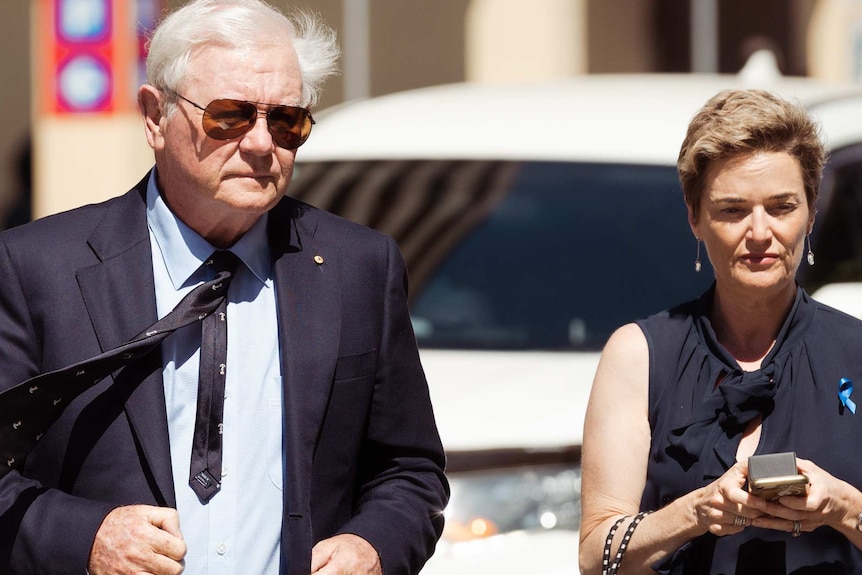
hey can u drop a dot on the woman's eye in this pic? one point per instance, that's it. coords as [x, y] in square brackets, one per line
[784, 208]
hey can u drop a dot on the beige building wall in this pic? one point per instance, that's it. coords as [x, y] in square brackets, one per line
[835, 40]
[619, 36]
[514, 41]
[416, 43]
[81, 160]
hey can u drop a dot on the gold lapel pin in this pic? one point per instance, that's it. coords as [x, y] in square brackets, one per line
[318, 260]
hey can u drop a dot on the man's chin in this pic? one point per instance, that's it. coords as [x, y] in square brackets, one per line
[250, 197]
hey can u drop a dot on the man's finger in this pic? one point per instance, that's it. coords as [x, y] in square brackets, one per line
[320, 555]
[166, 519]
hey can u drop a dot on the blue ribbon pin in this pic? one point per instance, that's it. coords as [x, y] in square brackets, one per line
[845, 388]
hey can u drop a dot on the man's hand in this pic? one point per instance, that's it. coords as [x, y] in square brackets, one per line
[138, 539]
[345, 554]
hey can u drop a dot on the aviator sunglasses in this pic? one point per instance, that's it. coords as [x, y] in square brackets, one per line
[226, 119]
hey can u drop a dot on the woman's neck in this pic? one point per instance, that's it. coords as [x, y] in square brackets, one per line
[747, 324]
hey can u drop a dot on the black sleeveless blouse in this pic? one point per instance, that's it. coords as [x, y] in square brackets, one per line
[696, 426]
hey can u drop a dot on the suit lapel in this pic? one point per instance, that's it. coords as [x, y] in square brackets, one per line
[113, 288]
[119, 293]
[307, 282]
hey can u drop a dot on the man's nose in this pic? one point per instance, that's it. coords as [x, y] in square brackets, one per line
[258, 140]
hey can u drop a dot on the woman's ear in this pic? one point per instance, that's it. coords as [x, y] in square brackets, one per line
[149, 103]
[692, 222]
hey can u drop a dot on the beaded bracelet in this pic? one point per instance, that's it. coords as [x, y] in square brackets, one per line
[611, 569]
[606, 554]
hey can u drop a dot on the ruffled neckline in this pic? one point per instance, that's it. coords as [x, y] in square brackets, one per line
[711, 437]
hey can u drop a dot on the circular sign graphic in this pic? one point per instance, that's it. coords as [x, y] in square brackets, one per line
[84, 84]
[83, 20]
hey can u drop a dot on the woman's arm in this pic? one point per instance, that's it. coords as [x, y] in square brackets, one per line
[615, 455]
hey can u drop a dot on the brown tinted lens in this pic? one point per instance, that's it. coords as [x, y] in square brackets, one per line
[289, 126]
[227, 119]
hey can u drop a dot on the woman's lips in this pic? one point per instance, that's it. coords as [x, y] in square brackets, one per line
[760, 259]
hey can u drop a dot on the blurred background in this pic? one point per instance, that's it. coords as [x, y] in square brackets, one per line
[70, 67]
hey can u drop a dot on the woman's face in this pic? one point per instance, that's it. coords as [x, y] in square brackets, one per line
[753, 219]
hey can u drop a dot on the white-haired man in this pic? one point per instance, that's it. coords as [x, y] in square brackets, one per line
[326, 457]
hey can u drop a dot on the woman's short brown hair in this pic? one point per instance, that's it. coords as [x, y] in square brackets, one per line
[743, 122]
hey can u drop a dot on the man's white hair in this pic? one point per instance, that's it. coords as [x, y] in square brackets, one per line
[240, 24]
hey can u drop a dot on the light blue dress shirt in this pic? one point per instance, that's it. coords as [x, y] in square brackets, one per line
[239, 529]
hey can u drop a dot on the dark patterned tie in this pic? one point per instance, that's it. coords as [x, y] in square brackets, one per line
[28, 409]
[205, 469]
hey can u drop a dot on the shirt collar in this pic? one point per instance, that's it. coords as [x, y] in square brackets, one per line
[184, 250]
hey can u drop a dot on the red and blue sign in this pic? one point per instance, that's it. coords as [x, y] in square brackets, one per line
[92, 53]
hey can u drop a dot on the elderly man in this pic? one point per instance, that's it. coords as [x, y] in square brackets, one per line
[288, 431]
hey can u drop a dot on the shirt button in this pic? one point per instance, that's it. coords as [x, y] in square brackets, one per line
[221, 549]
[224, 471]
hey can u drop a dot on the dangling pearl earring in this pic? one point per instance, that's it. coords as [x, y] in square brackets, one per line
[698, 266]
[810, 253]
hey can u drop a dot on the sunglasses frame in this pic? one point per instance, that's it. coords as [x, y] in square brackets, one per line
[305, 116]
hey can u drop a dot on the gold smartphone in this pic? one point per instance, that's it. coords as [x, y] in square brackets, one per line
[775, 475]
[771, 488]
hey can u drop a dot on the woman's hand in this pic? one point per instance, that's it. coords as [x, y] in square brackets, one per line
[830, 501]
[723, 507]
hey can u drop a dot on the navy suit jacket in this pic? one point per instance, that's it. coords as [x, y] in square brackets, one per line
[362, 453]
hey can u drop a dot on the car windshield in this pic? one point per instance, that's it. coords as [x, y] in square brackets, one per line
[523, 255]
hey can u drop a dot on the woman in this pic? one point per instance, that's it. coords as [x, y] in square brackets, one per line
[754, 366]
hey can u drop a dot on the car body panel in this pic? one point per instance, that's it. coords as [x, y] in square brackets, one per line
[524, 553]
[488, 399]
[621, 118]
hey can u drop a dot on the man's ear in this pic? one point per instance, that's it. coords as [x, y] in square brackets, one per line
[149, 103]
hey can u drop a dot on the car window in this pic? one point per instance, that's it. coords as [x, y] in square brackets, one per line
[837, 234]
[523, 255]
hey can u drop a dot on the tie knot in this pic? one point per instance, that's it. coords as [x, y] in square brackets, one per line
[223, 261]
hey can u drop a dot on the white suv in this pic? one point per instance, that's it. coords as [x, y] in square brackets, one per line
[534, 220]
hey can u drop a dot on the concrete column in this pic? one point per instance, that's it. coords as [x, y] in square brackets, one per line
[513, 40]
[84, 160]
[835, 41]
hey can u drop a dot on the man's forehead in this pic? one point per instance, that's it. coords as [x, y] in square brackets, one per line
[215, 60]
